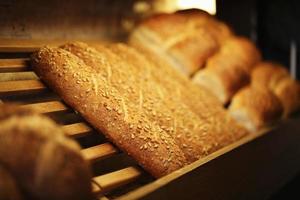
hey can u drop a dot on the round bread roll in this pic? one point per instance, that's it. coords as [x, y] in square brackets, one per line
[268, 74]
[288, 91]
[45, 163]
[255, 108]
[8, 187]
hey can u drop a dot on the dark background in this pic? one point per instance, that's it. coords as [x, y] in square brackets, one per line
[272, 24]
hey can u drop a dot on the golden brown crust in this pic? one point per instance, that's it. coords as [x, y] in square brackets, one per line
[224, 81]
[240, 51]
[256, 107]
[268, 74]
[186, 39]
[288, 91]
[229, 69]
[219, 30]
[175, 118]
[96, 94]
[197, 98]
[53, 167]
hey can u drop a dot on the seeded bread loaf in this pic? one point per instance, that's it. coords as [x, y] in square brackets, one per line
[99, 100]
[183, 125]
[116, 90]
[44, 163]
[218, 123]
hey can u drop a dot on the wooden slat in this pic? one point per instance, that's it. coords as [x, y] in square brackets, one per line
[48, 107]
[27, 46]
[116, 179]
[77, 129]
[14, 65]
[12, 87]
[99, 152]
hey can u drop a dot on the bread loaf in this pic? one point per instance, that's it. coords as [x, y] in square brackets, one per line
[140, 114]
[183, 125]
[239, 51]
[44, 163]
[223, 81]
[183, 39]
[96, 94]
[255, 108]
[288, 91]
[268, 74]
[229, 69]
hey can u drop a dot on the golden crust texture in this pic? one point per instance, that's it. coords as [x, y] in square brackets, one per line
[43, 161]
[268, 74]
[288, 91]
[184, 39]
[256, 108]
[124, 95]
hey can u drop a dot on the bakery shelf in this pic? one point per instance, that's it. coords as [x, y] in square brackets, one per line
[251, 168]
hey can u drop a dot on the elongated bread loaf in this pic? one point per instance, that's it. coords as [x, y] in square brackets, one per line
[143, 117]
[147, 96]
[223, 81]
[238, 50]
[229, 69]
[183, 125]
[276, 77]
[120, 118]
[183, 39]
[288, 91]
[44, 163]
[268, 74]
[256, 108]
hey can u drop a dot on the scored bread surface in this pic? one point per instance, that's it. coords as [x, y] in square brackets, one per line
[120, 94]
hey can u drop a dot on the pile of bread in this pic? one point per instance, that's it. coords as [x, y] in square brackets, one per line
[142, 98]
[258, 92]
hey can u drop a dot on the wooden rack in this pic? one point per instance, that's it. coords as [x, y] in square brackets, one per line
[252, 168]
[18, 82]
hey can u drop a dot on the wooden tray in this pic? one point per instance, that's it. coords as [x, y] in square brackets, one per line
[252, 168]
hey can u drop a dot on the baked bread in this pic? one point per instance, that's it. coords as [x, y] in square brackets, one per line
[288, 91]
[255, 108]
[183, 39]
[223, 81]
[268, 74]
[240, 51]
[158, 121]
[171, 111]
[155, 103]
[43, 161]
[228, 70]
[96, 95]
[199, 100]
